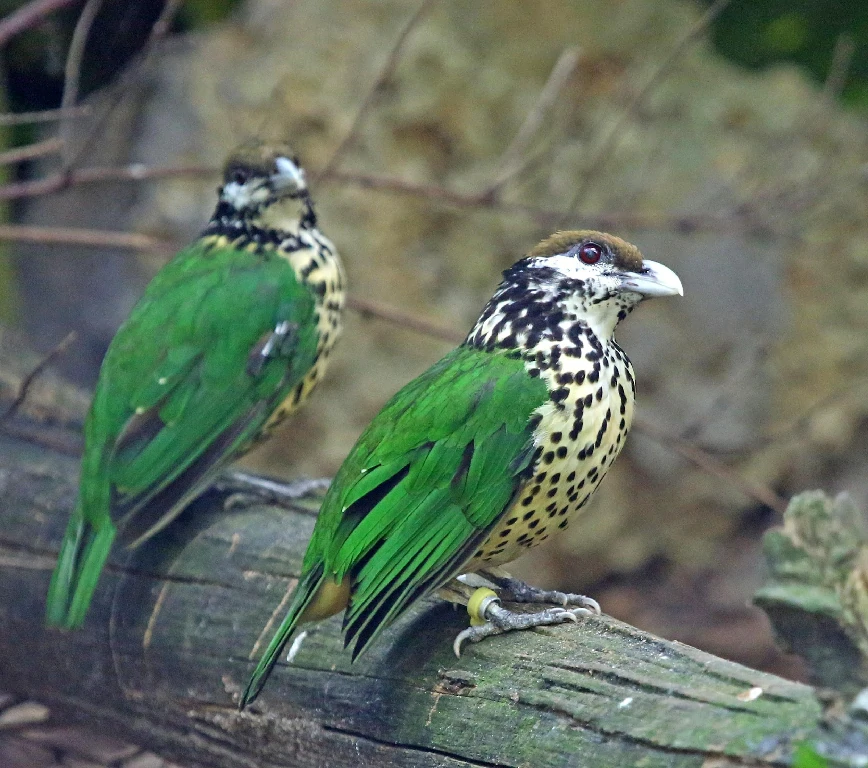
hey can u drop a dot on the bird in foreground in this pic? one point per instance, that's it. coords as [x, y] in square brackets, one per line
[488, 453]
[229, 337]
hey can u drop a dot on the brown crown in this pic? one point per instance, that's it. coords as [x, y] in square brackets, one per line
[626, 255]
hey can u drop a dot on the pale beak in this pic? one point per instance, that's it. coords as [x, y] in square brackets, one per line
[288, 175]
[652, 281]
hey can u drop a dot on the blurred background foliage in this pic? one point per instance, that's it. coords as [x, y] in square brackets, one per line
[754, 33]
[759, 33]
[744, 169]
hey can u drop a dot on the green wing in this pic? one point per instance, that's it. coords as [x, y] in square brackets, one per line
[425, 484]
[420, 491]
[182, 390]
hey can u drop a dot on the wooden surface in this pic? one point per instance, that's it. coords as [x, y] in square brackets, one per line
[169, 643]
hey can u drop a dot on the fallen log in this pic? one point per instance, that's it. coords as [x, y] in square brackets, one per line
[175, 626]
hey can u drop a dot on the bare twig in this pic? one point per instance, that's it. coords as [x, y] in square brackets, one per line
[120, 89]
[848, 390]
[59, 440]
[513, 160]
[31, 151]
[734, 222]
[44, 116]
[842, 58]
[133, 172]
[610, 142]
[94, 237]
[385, 73]
[752, 359]
[31, 377]
[368, 308]
[28, 16]
[72, 70]
[709, 464]
[389, 184]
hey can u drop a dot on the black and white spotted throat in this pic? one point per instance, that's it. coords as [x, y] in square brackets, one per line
[557, 310]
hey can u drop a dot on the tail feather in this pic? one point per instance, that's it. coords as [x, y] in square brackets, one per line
[82, 556]
[305, 591]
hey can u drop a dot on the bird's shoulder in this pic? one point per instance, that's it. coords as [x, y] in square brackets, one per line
[465, 425]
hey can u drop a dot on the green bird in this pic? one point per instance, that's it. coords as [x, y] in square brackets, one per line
[486, 454]
[229, 337]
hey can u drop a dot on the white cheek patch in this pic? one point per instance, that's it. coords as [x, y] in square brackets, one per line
[569, 266]
[241, 196]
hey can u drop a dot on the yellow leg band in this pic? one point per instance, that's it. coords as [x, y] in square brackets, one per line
[478, 601]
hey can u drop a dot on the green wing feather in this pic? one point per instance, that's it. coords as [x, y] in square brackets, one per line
[177, 400]
[422, 488]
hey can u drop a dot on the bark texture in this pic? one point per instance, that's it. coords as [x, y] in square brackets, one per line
[174, 627]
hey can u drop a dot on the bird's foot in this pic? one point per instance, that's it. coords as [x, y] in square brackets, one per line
[517, 591]
[244, 488]
[488, 617]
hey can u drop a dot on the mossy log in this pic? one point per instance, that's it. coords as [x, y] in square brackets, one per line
[175, 626]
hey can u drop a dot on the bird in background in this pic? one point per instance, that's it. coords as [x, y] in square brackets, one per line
[491, 451]
[230, 337]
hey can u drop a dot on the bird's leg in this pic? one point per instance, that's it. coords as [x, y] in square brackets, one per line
[488, 617]
[514, 590]
[244, 487]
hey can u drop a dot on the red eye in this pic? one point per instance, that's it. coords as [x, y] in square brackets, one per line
[590, 253]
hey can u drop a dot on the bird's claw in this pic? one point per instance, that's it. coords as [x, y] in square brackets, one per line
[498, 620]
[516, 591]
[247, 488]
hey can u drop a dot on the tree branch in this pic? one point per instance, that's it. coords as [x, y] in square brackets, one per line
[165, 652]
[34, 374]
[29, 16]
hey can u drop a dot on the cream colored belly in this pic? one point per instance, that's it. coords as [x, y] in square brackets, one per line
[566, 474]
[296, 398]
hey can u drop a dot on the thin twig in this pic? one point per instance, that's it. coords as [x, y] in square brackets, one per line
[368, 308]
[72, 69]
[29, 16]
[122, 87]
[734, 222]
[752, 359]
[59, 440]
[513, 160]
[709, 464]
[544, 217]
[848, 390]
[385, 73]
[31, 151]
[44, 115]
[97, 175]
[97, 238]
[610, 142]
[31, 377]
[842, 58]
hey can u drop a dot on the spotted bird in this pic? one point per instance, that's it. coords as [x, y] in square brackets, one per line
[229, 337]
[489, 452]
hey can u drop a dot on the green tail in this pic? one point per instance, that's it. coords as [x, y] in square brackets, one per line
[304, 592]
[82, 555]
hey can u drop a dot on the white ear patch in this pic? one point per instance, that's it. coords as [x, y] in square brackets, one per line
[237, 195]
[289, 174]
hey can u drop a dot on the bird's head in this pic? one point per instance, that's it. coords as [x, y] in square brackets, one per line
[263, 180]
[572, 276]
[603, 276]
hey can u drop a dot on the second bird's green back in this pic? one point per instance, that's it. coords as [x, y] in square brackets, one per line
[177, 378]
[229, 337]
